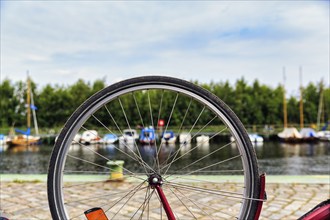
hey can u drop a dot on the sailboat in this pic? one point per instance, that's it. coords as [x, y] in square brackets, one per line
[307, 134]
[25, 138]
[324, 132]
[289, 134]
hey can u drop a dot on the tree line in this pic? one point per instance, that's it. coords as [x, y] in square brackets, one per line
[255, 104]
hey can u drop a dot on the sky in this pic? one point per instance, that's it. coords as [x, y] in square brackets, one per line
[59, 42]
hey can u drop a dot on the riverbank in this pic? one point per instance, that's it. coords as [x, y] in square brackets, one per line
[289, 197]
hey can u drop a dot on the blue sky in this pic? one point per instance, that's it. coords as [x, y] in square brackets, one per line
[62, 41]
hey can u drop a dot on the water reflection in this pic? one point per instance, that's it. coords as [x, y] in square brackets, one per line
[3, 148]
[24, 159]
[185, 148]
[274, 158]
[295, 159]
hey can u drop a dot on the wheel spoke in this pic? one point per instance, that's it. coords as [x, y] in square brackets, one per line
[194, 203]
[182, 145]
[206, 206]
[182, 203]
[176, 159]
[182, 177]
[100, 155]
[129, 126]
[168, 122]
[136, 189]
[213, 192]
[145, 201]
[214, 164]
[144, 204]
[98, 165]
[202, 158]
[182, 122]
[158, 118]
[156, 161]
[138, 109]
[109, 195]
[137, 158]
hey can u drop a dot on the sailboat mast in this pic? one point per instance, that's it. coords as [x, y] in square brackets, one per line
[34, 114]
[28, 98]
[285, 115]
[320, 111]
[301, 106]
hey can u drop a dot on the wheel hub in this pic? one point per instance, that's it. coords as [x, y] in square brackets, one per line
[155, 180]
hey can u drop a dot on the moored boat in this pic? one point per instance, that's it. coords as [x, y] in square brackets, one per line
[168, 137]
[203, 139]
[110, 138]
[324, 135]
[90, 137]
[308, 135]
[3, 139]
[185, 138]
[129, 136]
[256, 138]
[24, 140]
[147, 136]
[290, 135]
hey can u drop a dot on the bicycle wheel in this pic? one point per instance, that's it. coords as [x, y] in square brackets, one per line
[183, 166]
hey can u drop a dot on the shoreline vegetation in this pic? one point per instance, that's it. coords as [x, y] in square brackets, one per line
[259, 107]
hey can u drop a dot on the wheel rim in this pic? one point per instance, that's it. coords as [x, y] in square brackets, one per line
[171, 183]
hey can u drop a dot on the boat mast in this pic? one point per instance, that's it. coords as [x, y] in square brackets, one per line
[285, 115]
[30, 103]
[320, 111]
[301, 106]
[34, 114]
[28, 98]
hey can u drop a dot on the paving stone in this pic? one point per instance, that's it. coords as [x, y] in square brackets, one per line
[28, 200]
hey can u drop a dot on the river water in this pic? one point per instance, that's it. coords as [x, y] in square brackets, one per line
[274, 158]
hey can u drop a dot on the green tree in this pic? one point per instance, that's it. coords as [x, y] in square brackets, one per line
[311, 97]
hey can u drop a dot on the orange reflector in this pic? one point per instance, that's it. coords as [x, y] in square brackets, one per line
[95, 214]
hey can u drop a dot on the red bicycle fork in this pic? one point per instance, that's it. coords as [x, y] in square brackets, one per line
[155, 181]
[165, 203]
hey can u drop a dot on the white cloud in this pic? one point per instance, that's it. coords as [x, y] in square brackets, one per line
[194, 40]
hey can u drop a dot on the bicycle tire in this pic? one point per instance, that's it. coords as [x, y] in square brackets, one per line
[201, 98]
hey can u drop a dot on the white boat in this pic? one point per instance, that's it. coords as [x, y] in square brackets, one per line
[203, 139]
[290, 135]
[324, 135]
[110, 138]
[169, 137]
[3, 139]
[308, 134]
[185, 138]
[76, 139]
[90, 137]
[129, 136]
[255, 138]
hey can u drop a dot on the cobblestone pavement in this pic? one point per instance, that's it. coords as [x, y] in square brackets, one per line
[28, 200]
